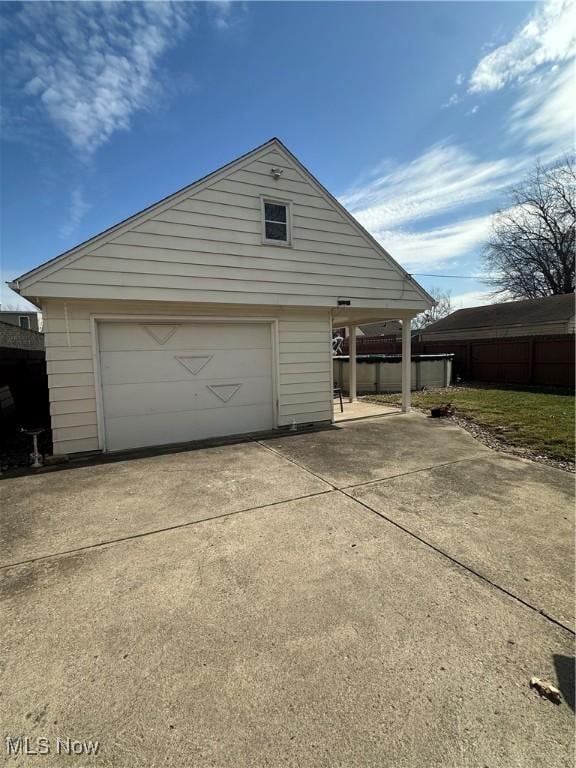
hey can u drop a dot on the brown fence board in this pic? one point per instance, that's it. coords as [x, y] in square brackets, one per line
[538, 360]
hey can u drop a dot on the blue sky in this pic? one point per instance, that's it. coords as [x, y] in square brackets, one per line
[416, 115]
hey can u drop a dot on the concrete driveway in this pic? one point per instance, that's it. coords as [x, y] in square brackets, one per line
[373, 595]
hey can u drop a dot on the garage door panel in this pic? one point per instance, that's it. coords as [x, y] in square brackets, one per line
[170, 383]
[163, 397]
[182, 427]
[172, 336]
[192, 364]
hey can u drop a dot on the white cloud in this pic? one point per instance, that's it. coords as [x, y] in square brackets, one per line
[441, 180]
[444, 180]
[452, 101]
[220, 10]
[539, 61]
[434, 247]
[548, 36]
[91, 66]
[447, 179]
[544, 114]
[78, 209]
[471, 299]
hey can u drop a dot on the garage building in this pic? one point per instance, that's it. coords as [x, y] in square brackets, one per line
[210, 313]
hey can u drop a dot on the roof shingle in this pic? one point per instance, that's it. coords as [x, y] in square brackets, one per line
[526, 312]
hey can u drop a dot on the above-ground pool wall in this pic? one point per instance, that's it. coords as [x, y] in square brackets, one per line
[383, 373]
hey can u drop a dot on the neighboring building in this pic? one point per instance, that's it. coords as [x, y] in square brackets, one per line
[24, 319]
[211, 312]
[517, 342]
[14, 337]
[549, 316]
[380, 338]
[390, 328]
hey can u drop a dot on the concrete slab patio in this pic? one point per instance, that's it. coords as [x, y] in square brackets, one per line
[360, 409]
[84, 506]
[510, 520]
[260, 616]
[377, 448]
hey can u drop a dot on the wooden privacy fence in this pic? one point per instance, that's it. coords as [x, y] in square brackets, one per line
[536, 360]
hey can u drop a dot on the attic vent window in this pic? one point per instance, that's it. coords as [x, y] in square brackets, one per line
[276, 218]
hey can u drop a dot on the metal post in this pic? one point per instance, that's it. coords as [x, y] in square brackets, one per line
[351, 363]
[406, 364]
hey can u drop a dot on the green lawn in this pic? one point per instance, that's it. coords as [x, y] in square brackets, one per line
[540, 421]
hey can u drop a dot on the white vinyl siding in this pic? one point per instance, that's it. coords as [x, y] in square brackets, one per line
[207, 247]
[304, 386]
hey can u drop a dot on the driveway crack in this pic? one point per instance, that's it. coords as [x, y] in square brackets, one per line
[144, 534]
[344, 490]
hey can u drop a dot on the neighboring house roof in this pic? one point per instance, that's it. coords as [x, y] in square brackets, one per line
[27, 282]
[17, 312]
[14, 337]
[390, 328]
[553, 312]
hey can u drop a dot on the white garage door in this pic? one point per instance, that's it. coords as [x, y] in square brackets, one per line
[174, 382]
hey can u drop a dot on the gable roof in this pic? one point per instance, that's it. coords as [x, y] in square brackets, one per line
[66, 258]
[549, 309]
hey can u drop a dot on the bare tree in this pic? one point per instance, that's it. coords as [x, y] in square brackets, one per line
[442, 308]
[530, 252]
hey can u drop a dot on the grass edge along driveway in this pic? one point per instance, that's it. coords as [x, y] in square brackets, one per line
[541, 422]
